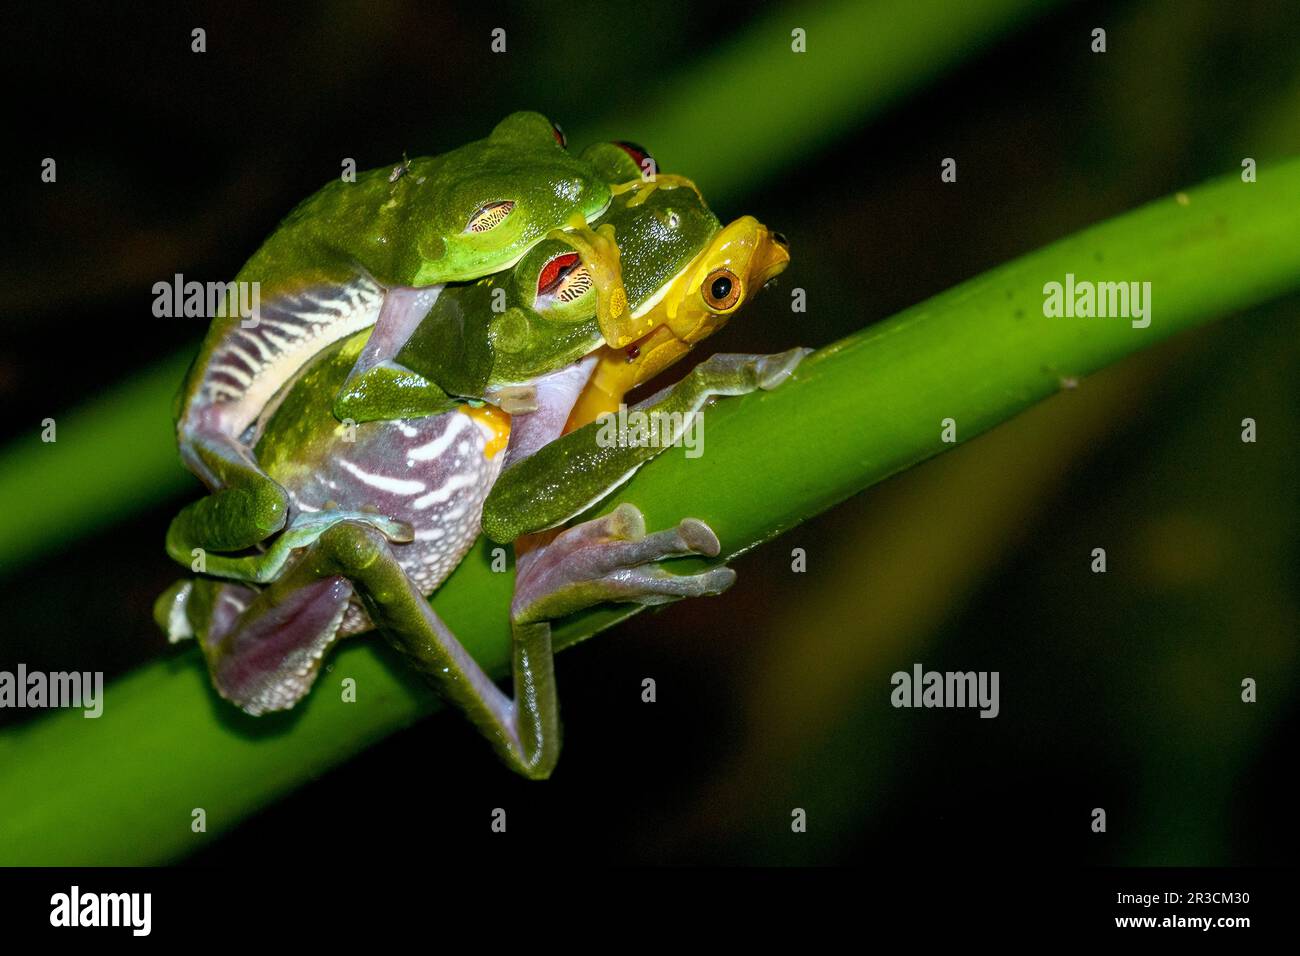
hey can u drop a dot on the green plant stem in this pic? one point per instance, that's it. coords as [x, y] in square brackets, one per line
[121, 789]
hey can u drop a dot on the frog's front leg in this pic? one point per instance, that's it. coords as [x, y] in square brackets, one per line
[246, 508]
[377, 386]
[306, 528]
[611, 558]
[222, 522]
[565, 477]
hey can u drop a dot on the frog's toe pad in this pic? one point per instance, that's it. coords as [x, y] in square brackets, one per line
[653, 585]
[269, 657]
[775, 369]
[611, 558]
[169, 611]
[699, 537]
[396, 531]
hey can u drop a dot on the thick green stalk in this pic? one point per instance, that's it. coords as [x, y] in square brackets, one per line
[855, 412]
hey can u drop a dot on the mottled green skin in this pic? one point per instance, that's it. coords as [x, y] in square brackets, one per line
[411, 231]
[650, 226]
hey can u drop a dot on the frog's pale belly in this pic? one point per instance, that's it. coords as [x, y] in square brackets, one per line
[433, 473]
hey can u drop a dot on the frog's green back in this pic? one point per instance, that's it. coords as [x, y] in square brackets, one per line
[415, 224]
[342, 227]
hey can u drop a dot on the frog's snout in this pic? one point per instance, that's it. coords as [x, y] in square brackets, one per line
[771, 256]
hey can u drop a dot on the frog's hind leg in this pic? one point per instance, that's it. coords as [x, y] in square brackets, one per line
[264, 648]
[524, 731]
[267, 656]
[243, 365]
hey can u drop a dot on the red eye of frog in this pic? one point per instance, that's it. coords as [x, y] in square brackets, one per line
[639, 154]
[564, 277]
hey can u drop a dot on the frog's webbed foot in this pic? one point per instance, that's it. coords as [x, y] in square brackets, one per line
[642, 187]
[513, 399]
[263, 648]
[271, 659]
[611, 558]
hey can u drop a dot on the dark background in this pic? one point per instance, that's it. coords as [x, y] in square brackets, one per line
[1119, 691]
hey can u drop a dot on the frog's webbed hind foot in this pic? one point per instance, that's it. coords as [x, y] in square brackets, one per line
[271, 659]
[611, 558]
[263, 648]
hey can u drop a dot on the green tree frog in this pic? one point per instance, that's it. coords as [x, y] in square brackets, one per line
[359, 254]
[419, 490]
